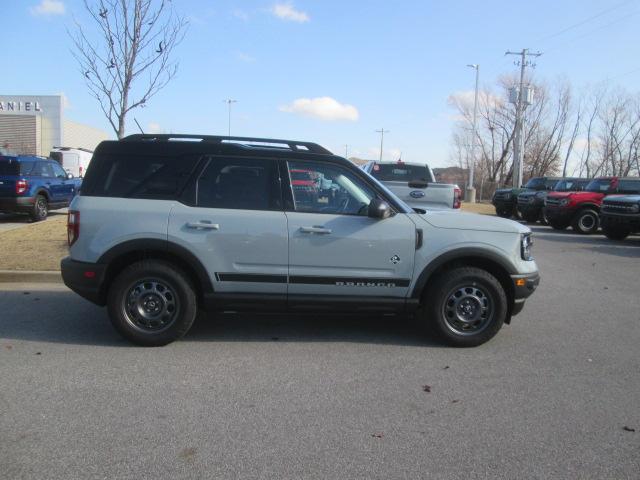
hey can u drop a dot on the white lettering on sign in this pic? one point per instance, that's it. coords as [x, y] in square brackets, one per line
[13, 106]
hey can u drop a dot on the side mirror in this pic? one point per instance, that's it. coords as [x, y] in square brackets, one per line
[69, 176]
[379, 209]
[418, 184]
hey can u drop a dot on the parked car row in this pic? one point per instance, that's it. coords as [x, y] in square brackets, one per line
[612, 203]
[35, 185]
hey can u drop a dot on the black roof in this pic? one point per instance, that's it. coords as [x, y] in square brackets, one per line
[229, 144]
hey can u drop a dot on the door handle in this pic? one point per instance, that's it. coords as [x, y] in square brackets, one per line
[315, 229]
[203, 226]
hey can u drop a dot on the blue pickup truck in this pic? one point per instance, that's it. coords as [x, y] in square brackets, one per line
[34, 185]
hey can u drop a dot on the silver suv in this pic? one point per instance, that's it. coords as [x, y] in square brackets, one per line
[166, 225]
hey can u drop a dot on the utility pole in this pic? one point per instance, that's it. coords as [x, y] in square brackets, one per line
[382, 131]
[229, 101]
[346, 151]
[518, 146]
[471, 191]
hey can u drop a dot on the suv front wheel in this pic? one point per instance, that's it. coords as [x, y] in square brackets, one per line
[586, 222]
[466, 306]
[152, 303]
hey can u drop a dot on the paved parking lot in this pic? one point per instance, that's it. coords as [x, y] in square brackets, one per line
[289, 397]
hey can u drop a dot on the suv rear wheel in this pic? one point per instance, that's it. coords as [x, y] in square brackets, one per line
[585, 221]
[466, 306]
[40, 209]
[152, 303]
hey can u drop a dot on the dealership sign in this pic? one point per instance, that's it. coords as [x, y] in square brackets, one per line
[20, 107]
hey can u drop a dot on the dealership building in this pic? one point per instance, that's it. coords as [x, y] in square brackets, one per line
[34, 124]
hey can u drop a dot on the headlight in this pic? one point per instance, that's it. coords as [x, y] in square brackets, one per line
[635, 208]
[532, 199]
[526, 243]
[539, 194]
[564, 202]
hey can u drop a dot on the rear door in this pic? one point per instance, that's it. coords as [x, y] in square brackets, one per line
[232, 220]
[334, 247]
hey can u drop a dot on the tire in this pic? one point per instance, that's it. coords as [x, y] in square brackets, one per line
[586, 222]
[543, 217]
[613, 233]
[445, 306]
[530, 218]
[558, 225]
[40, 209]
[152, 303]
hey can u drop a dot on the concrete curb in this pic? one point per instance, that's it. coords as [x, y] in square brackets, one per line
[30, 276]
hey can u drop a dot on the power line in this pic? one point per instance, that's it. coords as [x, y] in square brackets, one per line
[586, 20]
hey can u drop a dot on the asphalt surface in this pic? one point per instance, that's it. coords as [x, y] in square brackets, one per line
[280, 397]
[13, 221]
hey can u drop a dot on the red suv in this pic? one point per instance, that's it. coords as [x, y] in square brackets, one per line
[581, 210]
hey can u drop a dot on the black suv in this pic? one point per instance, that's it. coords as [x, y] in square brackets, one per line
[506, 199]
[531, 202]
[620, 216]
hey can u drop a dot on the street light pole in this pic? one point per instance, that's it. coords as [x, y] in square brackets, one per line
[229, 101]
[382, 131]
[471, 191]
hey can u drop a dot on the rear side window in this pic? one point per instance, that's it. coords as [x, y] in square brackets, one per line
[400, 172]
[240, 183]
[140, 176]
[628, 186]
[9, 167]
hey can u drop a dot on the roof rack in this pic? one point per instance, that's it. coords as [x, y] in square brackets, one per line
[245, 142]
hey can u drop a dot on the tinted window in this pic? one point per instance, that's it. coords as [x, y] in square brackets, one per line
[570, 185]
[400, 172]
[58, 171]
[599, 185]
[241, 183]
[628, 186]
[328, 189]
[8, 167]
[27, 167]
[140, 176]
[42, 169]
[535, 183]
[549, 183]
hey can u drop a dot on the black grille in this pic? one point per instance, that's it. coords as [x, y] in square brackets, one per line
[618, 207]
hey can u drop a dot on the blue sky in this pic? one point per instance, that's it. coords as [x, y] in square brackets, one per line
[386, 64]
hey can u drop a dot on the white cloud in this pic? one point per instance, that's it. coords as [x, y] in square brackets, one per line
[324, 108]
[154, 127]
[286, 11]
[245, 57]
[48, 7]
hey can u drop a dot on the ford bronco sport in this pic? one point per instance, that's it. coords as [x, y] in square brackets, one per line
[620, 216]
[165, 227]
[531, 202]
[506, 199]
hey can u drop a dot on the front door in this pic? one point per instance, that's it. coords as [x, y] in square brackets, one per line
[334, 247]
[235, 225]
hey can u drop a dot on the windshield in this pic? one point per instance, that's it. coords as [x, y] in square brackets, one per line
[568, 186]
[535, 183]
[400, 172]
[600, 185]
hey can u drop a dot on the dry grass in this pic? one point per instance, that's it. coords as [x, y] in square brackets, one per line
[483, 208]
[38, 246]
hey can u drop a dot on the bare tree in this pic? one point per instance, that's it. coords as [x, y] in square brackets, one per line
[125, 55]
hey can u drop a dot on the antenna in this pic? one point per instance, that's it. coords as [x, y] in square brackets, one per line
[136, 120]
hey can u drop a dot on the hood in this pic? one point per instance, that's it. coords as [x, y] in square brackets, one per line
[472, 221]
[532, 193]
[624, 198]
[575, 195]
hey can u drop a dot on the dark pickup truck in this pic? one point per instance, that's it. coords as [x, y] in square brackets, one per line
[620, 216]
[34, 185]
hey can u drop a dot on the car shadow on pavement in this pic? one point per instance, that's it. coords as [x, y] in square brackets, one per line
[373, 329]
[63, 317]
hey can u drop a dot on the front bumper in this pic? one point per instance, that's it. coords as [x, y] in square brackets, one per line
[86, 279]
[16, 204]
[530, 209]
[524, 286]
[559, 214]
[505, 205]
[629, 221]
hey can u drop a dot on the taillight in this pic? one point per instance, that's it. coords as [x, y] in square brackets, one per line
[457, 197]
[73, 226]
[80, 171]
[21, 186]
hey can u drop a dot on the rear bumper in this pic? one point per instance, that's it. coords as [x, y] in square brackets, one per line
[630, 222]
[16, 204]
[86, 279]
[524, 286]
